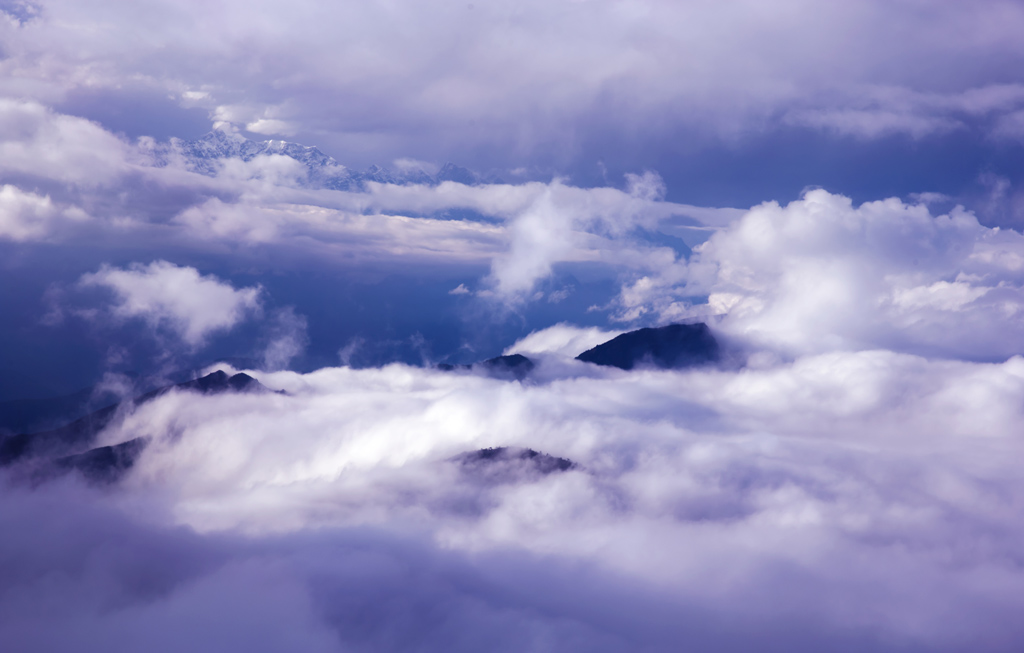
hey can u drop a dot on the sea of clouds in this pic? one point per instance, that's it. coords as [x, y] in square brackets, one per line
[841, 500]
[847, 479]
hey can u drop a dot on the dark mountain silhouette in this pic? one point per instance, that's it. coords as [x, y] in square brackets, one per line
[515, 366]
[69, 445]
[672, 346]
[79, 434]
[103, 464]
[44, 413]
[212, 383]
[510, 464]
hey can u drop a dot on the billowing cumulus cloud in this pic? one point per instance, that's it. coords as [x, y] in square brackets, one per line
[566, 224]
[180, 299]
[821, 274]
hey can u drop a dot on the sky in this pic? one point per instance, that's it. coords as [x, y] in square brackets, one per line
[338, 197]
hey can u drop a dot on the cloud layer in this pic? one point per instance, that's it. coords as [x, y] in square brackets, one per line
[536, 76]
[841, 500]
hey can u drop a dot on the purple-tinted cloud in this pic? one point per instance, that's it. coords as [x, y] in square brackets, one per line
[821, 274]
[794, 503]
[412, 80]
[165, 295]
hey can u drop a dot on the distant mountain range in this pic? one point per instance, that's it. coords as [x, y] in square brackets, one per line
[72, 447]
[206, 155]
[30, 415]
[669, 347]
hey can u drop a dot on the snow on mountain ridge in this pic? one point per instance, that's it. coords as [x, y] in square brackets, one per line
[205, 155]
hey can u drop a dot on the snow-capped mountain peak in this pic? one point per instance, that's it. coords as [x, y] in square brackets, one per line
[206, 155]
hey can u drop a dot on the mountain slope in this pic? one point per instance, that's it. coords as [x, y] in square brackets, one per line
[672, 346]
[72, 442]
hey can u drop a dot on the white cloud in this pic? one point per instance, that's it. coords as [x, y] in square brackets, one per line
[540, 236]
[263, 201]
[36, 141]
[563, 339]
[566, 224]
[26, 216]
[272, 127]
[407, 165]
[820, 275]
[178, 298]
[266, 170]
[328, 232]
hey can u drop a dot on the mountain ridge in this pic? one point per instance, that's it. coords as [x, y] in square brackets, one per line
[205, 155]
[71, 446]
[669, 347]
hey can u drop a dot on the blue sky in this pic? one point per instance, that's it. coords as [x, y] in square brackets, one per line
[837, 189]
